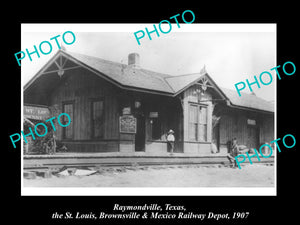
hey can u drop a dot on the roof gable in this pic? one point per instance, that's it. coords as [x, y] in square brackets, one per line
[181, 82]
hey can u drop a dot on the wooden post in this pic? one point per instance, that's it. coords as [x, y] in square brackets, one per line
[26, 145]
[54, 144]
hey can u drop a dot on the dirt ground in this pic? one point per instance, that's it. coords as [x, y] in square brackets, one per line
[165, 176]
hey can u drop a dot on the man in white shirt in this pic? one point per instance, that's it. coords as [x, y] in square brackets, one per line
[171, 140]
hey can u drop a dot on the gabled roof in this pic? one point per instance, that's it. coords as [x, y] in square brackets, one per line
[129, 77]
[126, 75]
[179, 83]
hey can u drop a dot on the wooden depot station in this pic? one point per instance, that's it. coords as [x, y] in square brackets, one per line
[121, 113]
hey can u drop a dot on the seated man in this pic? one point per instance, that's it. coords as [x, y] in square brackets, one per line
[234, 151]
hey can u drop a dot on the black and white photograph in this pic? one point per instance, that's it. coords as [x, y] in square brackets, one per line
[146, 113]
[190, 109]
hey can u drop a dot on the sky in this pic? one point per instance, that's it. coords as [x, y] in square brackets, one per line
[231, 53]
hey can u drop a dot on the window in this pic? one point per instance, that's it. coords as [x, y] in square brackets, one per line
[193, 122]
[197, 122]
[97, 119]
[68, 131]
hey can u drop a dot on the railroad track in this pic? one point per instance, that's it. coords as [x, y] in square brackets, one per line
[98, 166]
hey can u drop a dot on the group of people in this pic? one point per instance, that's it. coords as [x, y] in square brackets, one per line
[233, 151]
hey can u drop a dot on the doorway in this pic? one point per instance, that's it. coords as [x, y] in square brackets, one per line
[140, 135]
[253, 136]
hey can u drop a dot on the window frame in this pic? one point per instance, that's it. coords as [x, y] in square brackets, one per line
[198, 122]
[92, 127]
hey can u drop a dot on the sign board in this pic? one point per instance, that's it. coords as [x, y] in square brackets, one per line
[153, 114]
[36, 112]
[127, 124]
[126, 111]
[251, 122]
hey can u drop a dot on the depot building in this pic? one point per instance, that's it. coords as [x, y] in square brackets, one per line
[123, 108]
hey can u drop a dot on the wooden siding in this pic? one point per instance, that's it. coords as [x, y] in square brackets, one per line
[266, 133]
[196, 148]
[81, 87]
[92, 146]
[190, 97]
[233, 124]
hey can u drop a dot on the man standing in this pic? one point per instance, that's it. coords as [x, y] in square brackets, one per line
[171, 140]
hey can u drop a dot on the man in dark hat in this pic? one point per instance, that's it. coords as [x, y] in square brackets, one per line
[171, 140]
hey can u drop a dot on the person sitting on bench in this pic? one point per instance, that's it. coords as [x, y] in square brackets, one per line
[234, 151]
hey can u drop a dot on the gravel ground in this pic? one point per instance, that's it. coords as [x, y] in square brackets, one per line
[165, 176]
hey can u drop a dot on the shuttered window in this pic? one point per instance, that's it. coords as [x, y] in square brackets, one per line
[193, 122]
[197, 122]
[97, 119]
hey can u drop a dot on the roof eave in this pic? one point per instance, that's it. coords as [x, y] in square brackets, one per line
[249, 108]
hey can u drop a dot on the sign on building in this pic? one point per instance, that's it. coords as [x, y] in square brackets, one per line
[153, 114]
[251, 122]
[36, 112]
[127, 124]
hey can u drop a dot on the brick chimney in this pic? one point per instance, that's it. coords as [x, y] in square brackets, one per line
[134, 60]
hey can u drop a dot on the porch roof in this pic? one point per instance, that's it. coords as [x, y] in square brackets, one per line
[248, 101]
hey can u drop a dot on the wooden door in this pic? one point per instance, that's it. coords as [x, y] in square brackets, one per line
[140, 134]
[252, 140]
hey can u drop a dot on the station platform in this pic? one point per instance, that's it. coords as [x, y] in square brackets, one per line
[122, 159]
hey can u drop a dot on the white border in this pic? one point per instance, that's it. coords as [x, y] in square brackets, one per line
[136, 191]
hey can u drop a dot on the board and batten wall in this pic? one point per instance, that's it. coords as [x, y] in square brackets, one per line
[196, 147]
[234, 124]
[81, 87]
